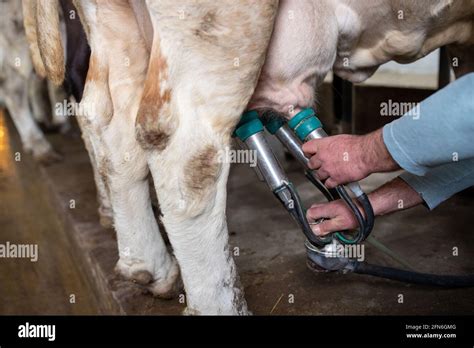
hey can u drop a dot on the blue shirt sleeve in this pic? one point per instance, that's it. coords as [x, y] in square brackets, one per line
[439, 131]
[435, 142]
[442, 182]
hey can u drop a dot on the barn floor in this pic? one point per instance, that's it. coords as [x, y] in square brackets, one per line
[78, 256]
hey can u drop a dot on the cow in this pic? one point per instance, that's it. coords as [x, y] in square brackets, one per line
[74, 65]
[77, 51]
[169, 80]
[24, 93]
[129, 85]
[353, 38]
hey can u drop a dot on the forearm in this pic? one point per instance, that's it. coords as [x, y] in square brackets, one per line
[436, 186]
[393, 196]
[376, 156]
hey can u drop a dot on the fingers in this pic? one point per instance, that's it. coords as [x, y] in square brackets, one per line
[330, 183]
[317, 211]
[336, 214]
[310, 147]
[314, 163]
[322, 174]
[327, 226]
[329, 157]
[326, 179]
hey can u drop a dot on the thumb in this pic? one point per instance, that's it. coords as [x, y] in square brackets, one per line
[327, 226]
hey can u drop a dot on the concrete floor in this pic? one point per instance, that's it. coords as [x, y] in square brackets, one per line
[27, 217]
[271, 259]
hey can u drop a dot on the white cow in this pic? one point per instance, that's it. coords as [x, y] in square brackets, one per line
[353, 38]
[169, 80]
[22, 91]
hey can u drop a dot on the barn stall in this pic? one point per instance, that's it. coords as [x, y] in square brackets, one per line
[55, 206]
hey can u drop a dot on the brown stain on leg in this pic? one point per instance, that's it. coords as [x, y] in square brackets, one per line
[208, 28]
[202, 171]
[153, 125]
[97, 84]
[95, 73]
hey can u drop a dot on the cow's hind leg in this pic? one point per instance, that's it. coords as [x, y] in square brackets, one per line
[105, 206]
[201, 75]
[113, 90]
[32, 137]
[38, 100]
[57, 97]
[191, 187]
[143, 254]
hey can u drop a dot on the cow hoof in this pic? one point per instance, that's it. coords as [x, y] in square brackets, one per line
[165, 288]
[190, 311]
[65, 128]
[106, 221]
[106, 218]
[135, 273]
[41, 151]
[170, 287]
[48, 157]
[142, 277]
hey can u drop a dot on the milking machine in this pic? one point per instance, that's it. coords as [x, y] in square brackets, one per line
[323, 253]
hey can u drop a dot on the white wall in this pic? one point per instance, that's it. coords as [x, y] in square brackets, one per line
[426, 65]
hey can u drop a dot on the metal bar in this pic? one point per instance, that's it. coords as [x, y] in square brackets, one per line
[342, 103]
[444, 69]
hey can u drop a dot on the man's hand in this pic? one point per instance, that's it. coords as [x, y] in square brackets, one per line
[341, 159]
[393, 196]
[338, 217]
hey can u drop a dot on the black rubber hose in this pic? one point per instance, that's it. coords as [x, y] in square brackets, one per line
[334, 193]
[447, 281]
[323, 189]
[369, 214]
[359, 237]
[301, 218]
[365, 226]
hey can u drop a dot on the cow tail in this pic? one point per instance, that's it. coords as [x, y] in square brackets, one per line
[29, 22]
[49, 39]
